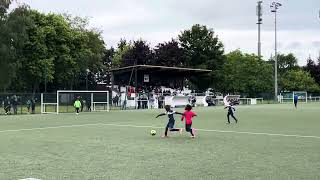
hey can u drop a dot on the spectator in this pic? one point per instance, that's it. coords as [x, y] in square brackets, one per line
[193, 101]
[14, 103]
[124, 104]
[139, 101]
[88, 104]
[7, 105]
[210, 101]
[82, 103]
[33, 106]
[144, 101]
[116, 100]
[28, 105]
[151, 101]
[160, 101]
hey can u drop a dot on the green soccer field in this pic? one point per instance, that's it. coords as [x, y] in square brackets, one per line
[270, 142]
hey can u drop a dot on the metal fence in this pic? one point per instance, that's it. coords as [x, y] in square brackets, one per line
[19, 103]
[28, 103]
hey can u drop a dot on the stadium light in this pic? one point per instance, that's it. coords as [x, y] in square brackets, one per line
[274, 8]
[259, 14]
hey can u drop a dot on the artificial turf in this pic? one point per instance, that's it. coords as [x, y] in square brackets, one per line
[118, 145]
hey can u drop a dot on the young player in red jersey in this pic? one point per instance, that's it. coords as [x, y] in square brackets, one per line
[188, 115]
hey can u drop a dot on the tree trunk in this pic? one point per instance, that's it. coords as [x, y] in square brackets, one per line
[34, 89]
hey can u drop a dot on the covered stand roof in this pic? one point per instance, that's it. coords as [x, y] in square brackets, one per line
[156, 75]
[161, 69]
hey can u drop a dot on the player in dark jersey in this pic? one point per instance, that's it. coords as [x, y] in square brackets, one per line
[170, 124]
[7, 105]
[231, 111]
[295, 100]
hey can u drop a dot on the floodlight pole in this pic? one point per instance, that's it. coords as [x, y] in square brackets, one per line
[136, 82]
[259, 14]
[274, 7]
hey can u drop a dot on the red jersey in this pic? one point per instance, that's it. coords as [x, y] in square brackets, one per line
[188, 115]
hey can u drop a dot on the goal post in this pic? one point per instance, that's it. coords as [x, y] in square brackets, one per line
[288, 97]
[302, 96]
[48, 103]
[64, 100]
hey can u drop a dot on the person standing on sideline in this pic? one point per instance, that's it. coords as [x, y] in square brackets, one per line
[77, 105]
[295, 100]
[28, 105]
[151, 101]
[7, 105]
[88, 104]
[33, 106]
[14, 102]
[82, 103]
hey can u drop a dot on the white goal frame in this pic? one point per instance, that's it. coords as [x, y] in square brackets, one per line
[93, 104]
[299, 92]
[292, 98]
[43, 106]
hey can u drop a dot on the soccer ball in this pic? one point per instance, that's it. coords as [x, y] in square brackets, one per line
[153, 132]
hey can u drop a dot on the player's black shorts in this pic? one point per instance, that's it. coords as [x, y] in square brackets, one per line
[170, 125]
[230, 113]
[188, 127]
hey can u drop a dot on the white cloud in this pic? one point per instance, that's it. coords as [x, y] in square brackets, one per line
[234, 21]
[247, 41]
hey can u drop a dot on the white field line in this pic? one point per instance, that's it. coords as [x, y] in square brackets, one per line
[139, 126]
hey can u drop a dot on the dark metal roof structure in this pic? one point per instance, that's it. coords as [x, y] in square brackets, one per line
[155, 69]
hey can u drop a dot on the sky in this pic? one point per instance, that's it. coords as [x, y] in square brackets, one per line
[234, 21]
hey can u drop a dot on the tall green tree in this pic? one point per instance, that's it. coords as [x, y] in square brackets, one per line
[38, 48]
[6, 53]
[314, 69]
[168, 54]
[298, 80]
[92, 56]
[202, 49]
[119, 55]
[39, 52]
[4, 7]
[286, 62]
[58, 53]
[104, 75]
[12, 36]
[80, 54]
[139, 54]
[246, 73]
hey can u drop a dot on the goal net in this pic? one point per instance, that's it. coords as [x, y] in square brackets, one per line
[302, 96]
[48, 103]
[288, 97]
[63, 101]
